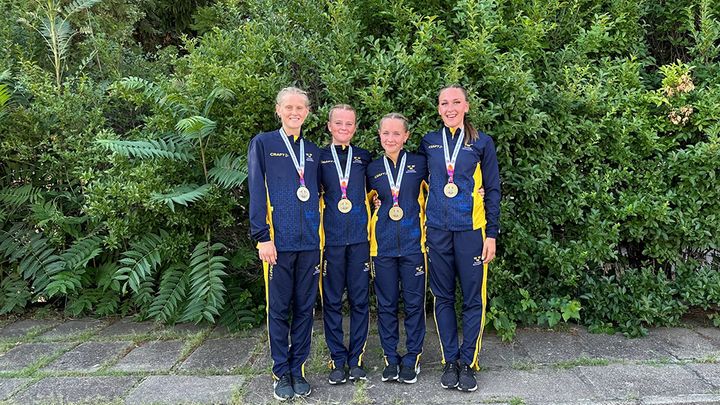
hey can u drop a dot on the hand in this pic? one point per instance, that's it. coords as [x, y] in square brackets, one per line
[481, 192]
[267, 252]
[488, 252]
[376, 202]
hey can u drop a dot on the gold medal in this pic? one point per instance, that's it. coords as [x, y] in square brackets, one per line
[344, 205]
[303, 194]
[396, 213]
[451, 190]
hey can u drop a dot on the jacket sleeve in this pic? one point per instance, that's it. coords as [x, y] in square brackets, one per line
[259, 228]
[491, 183]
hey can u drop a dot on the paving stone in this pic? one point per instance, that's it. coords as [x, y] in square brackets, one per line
[22, 327]
[9, 385]
[259, 391]
[547, 347]
[159, 355]
[127, 326]
[627, 380]
[185, 389]
[713, 334]
[187, 328]
[693, 399]
[498, 354]
[27, 354]
[222, 355]
[619, 347]
[493, 386]
[72, 328]
[709, 372]
[89, 356]
[684, 343]
[75, 389]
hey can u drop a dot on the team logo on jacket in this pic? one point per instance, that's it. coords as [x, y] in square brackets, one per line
[357, 159]
[308, 157]
[419, 270]
[378, 175]
[410, 169]
[477, 261]
[324, 162]
[367, 267]
[434, 147]
[467, 147]
[317, 269]
[279, 154]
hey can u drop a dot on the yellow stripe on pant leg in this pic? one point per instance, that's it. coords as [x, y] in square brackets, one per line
[267, 269]
[478, 344]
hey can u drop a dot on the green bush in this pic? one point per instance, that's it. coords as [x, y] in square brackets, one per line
[605, 114]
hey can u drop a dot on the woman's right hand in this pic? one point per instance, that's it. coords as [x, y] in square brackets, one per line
[376, 202]
[267, 252]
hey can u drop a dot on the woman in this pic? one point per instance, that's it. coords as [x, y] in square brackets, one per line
[286, 225]
[347, 251]
[462, 226]
[397, 247]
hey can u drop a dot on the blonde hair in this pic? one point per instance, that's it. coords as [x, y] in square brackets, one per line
[345, 107]
[394, 116]
[471, 134]
[292, 90]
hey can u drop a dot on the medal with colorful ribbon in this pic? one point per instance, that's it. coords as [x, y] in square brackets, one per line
[451, 189]
[344, 205]
[396, 213]
[303, 194]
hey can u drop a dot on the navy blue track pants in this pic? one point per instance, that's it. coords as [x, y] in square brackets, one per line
[454, 255]
[394, 275]
[291, 288]
[346, 268]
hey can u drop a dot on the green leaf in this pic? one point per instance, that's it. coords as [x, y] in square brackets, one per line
[155, 149]
[229, 171]
[183, 195]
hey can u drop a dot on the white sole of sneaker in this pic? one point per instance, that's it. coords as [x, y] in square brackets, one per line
[337, 382]
[279, 398]
[389, 379]
[467, 390]
[447, 387]
[303, 395]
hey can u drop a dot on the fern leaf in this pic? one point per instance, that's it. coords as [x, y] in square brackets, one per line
[141, 261]
[79, 5]
[218, 93]
[171, 293]
[155, 149]
[155, 94]
[206, 284]
[4, 98]
[239, 312]
[69, 278]
[195, 127]
[14, 293]
[183, 195]
[17, 196]
[229, 171]
[33, 252]
[105, 277]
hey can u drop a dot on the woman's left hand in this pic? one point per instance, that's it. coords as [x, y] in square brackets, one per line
[488, 252]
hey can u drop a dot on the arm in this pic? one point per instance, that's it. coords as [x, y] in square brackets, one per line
[491, 184]
[259, 228]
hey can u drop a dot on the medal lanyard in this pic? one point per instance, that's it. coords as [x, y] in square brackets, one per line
[343, 177]
[450, 162]
[395, 185]
[299, 166]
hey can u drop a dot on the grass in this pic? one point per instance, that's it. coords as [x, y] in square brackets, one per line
[582, 361]
[360, 396]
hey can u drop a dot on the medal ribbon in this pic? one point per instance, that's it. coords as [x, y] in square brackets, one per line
[299, 166]
[450, 162]
[343, 177]
[395, 184]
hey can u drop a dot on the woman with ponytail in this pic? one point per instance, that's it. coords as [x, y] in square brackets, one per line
[462, 225]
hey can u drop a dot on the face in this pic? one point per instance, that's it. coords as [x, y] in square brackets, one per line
[292, 111]
[452, 107]
[342, 126]
[393, 135]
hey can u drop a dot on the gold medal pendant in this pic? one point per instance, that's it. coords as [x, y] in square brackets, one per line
[396, 213]
[303, 194]
[451, 190]
[344, 205]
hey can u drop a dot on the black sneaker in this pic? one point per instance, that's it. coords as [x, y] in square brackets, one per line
[408, 374]
[391, 372]
[450, 377]
[466, 379]
[337, 376]
[357, 373]
[300, 386]
[283, 388]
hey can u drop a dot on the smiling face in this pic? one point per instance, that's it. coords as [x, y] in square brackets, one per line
[342, 126]
[292, 110]
[393, 135]
[452, 107]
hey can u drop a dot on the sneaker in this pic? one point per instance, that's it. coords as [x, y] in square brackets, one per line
[357, 373]
[408, 374]
[337, 376]
[391, 372]
[301, 386]
[283, 388]
[450, 376]
[466, 379]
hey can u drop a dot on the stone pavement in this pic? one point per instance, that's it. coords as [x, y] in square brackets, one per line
[118, 361]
